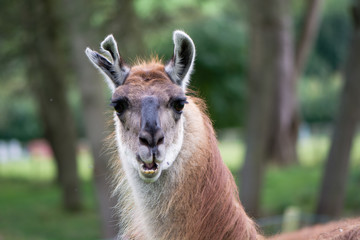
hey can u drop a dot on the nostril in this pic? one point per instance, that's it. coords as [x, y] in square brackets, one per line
[145, 138]
[160, 141]
[151, 140]
[143, 141]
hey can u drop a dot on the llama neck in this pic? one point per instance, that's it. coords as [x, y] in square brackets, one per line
[196, 198]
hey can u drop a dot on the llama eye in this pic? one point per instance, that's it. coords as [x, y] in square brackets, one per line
[119, 106]
[178, 105]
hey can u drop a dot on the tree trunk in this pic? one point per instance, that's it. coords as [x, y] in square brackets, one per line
[46, 70]
[333, 187]
[308, 35]
[273, 116]
[282, 142]
[286, 125]
[269, 26]
[94, 106]
[285, 131]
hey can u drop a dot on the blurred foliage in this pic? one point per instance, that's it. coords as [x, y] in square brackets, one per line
[330, 48]
[19, 119]
[319, 98]
[219, 31]
[220, 68]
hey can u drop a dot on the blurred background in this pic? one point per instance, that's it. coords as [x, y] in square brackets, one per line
[281, 80]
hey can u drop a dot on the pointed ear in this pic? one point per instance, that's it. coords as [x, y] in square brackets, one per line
[181, 65]
[115, 71]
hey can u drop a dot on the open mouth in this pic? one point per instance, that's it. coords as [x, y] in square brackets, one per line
[149, 169]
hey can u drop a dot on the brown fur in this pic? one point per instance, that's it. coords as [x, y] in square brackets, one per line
[206, 204]
[197, 198]
[341, 230]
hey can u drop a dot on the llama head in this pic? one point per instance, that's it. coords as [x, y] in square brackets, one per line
[148, 100]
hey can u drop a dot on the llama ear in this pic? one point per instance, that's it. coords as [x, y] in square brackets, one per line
[181, 65]
[115, 71]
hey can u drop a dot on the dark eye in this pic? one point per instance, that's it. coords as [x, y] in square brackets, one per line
[119, 106]
[179, 104]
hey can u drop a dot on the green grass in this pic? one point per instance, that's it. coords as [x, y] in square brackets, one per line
[30, 203]
[33, 211]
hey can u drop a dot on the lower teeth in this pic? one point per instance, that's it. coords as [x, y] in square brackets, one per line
[148, 171]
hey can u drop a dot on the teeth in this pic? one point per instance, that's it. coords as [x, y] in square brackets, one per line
[148, 171]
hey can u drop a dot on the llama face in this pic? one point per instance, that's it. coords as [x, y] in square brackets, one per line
[149, 122]
[148, 100]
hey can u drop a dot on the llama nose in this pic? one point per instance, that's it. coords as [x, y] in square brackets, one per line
[151, 139]
[151, 134]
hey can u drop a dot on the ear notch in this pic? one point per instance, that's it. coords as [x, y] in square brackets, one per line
[115, 71]
[181, 65]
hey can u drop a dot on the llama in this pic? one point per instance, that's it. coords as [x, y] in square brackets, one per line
[169, 175]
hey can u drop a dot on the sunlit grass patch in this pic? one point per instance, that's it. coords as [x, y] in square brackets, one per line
[43, 168]
[29, 168]
[313, 150]
[232, 153]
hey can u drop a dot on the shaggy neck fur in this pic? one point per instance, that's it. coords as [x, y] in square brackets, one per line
[194, 199]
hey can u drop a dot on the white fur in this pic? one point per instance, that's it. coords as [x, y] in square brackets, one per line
[110, 40]
[141, 203]
[173, 150]
[128, 157]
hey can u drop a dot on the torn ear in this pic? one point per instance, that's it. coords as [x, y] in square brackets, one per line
[115, 71]
[181, 65]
